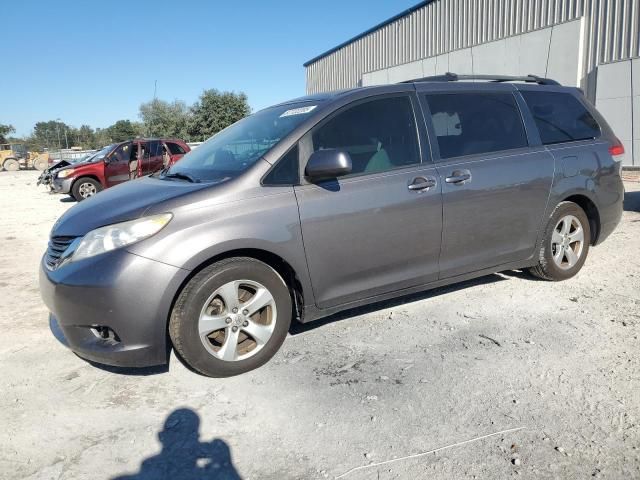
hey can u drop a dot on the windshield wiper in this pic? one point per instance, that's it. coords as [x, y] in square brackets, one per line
[182, 176]
[160, 173]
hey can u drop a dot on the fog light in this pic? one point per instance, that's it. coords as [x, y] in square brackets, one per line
[105, 333]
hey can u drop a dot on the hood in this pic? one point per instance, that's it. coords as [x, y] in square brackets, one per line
[85, 162]
[57, 165]
[64, 165]
[123, 202]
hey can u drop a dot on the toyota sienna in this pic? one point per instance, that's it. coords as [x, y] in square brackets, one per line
[329, 202]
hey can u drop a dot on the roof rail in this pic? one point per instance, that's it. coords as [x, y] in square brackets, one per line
[454, 77]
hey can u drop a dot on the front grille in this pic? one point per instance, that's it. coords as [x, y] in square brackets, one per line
[57, 246]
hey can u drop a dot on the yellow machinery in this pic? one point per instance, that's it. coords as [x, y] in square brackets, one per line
[14, 156]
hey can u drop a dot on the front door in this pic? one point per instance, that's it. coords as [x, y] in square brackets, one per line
[378, 229]
[494, 186]
[116, 166]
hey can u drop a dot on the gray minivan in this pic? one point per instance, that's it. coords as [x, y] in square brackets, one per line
[329, 202]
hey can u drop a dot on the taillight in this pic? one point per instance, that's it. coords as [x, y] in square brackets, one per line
[616, 150]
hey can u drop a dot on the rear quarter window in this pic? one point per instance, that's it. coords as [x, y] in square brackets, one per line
[175, 149]
[561, 117]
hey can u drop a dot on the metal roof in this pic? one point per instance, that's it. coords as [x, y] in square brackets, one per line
[371, 30]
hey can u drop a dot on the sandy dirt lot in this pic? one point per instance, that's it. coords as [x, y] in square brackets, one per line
[555, 365]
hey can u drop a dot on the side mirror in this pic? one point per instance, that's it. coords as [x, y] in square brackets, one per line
[330, 163]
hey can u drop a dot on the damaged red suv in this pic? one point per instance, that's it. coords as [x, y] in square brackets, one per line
[116, 164]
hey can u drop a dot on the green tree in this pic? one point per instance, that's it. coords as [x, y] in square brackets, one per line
[215, 111]
[123, 130]
[102, 137]
[164, 119]
[51, 134]
[4, 131]
[85, 137]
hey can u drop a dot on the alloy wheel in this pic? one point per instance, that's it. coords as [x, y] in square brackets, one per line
[237, 320]
[567, 242]
[87, 190]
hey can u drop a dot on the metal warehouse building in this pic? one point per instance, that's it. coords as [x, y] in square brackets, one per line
[593, 44]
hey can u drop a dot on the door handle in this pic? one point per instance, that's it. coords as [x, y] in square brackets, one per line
[458, 177]
[421, 183]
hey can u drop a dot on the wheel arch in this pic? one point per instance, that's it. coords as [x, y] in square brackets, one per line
[590, 209]
[87, 175]
[279, 264]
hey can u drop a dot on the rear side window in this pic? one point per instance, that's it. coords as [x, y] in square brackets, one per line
[379, 135]
[155, 148]
[175, 149]
[561, 117]
[475, 123]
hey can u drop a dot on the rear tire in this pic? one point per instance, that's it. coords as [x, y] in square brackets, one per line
[84, 188]
[11, 165]
[231, 317]
[565, 243]
[40, 164]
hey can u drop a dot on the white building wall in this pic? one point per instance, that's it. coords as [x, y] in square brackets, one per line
[635, 91]
[614, 101]
[437, 27]
[549, 52]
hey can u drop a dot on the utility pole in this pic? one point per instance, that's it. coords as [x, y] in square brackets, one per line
[58, 129]
[153, 106]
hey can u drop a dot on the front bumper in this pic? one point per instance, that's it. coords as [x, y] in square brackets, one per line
[117, 292]
[61, 185]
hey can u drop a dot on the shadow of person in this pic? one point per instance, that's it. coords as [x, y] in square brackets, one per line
[184, 456]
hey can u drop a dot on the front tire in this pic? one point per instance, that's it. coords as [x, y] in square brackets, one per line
[231, 317]
[11, 165]
[84, 188]
[565, 244]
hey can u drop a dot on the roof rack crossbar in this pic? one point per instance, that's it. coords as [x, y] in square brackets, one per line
[454, 77]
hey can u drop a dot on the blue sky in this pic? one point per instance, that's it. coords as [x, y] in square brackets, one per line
[94, 62]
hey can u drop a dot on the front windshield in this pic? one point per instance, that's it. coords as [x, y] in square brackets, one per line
[236, 148]
[84, 158]
[103, 153]
[19, 148]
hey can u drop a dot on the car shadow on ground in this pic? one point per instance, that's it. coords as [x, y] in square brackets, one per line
[183, 456]
[68, 200]
[298, 327]
[129, 371]
[632, 201]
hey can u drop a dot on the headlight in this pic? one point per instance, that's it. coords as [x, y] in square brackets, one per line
[105, 239]
[65, 173]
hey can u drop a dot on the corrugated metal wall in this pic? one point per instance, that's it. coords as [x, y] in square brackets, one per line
[612, 33]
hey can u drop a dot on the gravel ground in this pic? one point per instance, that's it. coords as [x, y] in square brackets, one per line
[557, 361]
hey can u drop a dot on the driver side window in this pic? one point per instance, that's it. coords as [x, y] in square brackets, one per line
[122, 153]
[379, 135]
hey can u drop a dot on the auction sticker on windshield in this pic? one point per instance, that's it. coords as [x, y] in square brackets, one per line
[298, 111]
